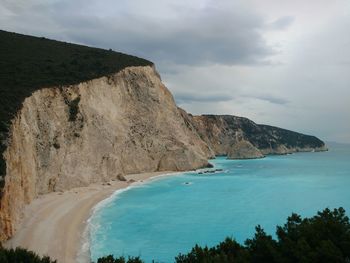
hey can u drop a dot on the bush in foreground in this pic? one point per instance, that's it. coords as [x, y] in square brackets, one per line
[322, 238]
[20, 255]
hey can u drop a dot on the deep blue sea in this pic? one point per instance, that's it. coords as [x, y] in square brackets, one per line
[169, 215]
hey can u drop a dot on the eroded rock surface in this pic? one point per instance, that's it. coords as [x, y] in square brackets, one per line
[96, 131]
[244, 150]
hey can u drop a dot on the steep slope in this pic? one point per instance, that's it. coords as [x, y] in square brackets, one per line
[241, 138]
[95, 131]
[30, 63]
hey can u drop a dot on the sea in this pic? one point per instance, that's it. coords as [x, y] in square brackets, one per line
[168, 215]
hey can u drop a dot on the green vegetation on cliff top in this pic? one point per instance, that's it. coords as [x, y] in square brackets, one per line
[29, 63]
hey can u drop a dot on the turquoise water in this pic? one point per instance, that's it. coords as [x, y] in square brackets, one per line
[170, 215]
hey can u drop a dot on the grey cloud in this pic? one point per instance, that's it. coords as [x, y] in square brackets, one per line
[190, 97]
[281, 23]
[221, 37]
[187, 97]
[203, 36]
[270, 99]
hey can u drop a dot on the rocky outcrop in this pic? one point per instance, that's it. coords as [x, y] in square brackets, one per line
[244, 150]
[99, 130]
[239, 137]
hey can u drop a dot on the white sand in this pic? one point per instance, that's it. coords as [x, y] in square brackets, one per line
[53, 224]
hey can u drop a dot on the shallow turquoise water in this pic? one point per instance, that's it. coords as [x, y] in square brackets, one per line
[166, 216]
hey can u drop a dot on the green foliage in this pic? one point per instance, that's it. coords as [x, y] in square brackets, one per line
[20, 255]
[29, 63]
[225, 252]
[322, 238]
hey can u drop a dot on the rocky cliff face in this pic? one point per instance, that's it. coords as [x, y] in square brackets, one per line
[99, 130]
[65, 137]
[241, 138]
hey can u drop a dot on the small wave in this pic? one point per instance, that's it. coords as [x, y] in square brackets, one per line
[92, 225]
[84, 255]
[156, 177]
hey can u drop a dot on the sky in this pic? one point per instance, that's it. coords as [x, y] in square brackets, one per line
[279, 62]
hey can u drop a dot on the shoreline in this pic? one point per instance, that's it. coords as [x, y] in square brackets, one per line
[55, 224]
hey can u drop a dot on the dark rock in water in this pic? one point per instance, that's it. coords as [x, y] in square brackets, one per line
[212, 171]
[209, 165]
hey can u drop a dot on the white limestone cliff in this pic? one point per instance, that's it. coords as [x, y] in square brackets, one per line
[96, 131]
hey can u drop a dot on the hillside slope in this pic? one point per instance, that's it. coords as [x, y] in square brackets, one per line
[241, 138]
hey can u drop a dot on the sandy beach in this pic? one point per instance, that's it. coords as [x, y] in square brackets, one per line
[53, 224]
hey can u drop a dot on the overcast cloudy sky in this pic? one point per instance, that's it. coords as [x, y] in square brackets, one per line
[284, 63]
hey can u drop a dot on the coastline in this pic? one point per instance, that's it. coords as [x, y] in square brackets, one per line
[54, 224]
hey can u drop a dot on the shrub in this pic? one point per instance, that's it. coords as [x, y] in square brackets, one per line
[21, 255]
